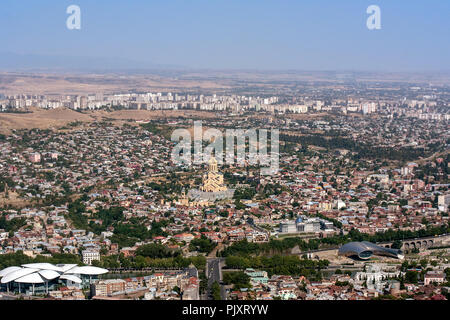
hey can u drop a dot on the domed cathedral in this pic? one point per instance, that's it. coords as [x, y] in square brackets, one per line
[212, 180]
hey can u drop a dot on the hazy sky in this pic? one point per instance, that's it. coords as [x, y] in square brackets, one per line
[276, 34]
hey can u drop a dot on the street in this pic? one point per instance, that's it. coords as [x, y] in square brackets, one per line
[214, 274]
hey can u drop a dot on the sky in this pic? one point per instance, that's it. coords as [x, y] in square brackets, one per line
[236, 34]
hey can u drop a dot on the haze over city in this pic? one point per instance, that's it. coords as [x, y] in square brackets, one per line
[224, 158]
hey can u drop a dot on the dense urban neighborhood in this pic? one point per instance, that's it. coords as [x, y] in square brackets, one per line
[107, 194]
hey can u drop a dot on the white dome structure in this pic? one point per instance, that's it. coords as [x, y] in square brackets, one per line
[4, 272]
[87, 270]
[49, 274]
[43, 273]
[71, 277]
[31, 278]
[65, 267]
[11, 276]
[43, 266]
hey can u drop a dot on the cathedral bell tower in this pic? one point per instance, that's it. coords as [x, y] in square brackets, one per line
[213, 180]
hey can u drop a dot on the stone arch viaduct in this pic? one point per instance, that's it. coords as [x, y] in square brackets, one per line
[420, 243]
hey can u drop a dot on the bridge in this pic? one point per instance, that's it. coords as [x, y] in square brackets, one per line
[407, 246]
[420, 243]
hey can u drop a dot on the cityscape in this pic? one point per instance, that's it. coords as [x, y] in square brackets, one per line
[114, 186]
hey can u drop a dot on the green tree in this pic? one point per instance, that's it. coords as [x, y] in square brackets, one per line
[411, 276]
[215, 290]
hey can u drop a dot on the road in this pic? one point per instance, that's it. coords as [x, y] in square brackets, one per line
[214, 274]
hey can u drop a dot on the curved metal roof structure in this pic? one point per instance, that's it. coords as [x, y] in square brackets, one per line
[4, 272]
[71, 277]
[31, 278]
[365, 250]
[17, 274]
[43, 266]
[43, 272]
[49, 274]
[87, 270]
[65, 267]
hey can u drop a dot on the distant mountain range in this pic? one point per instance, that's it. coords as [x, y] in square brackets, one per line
[37, 62]
[15, 62]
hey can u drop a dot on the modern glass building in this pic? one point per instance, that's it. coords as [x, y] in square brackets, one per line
[365, 250]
